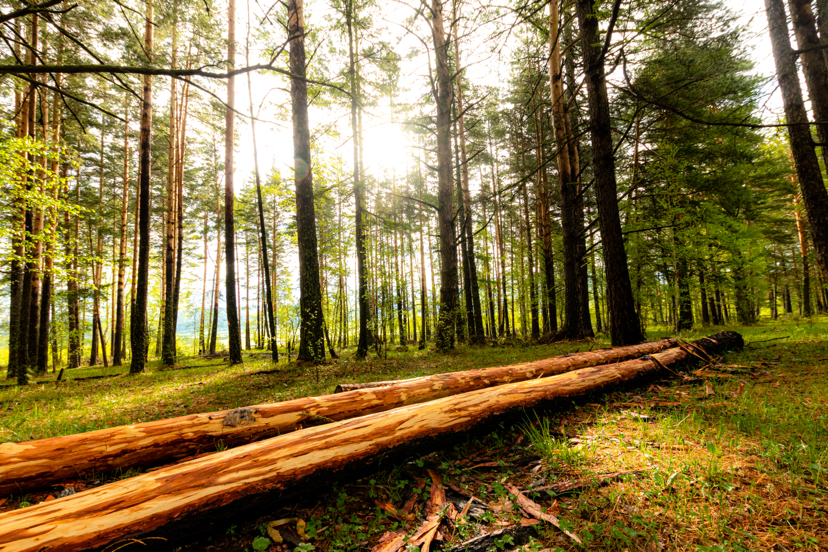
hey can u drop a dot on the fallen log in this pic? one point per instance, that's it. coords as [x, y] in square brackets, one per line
[252, 475]
[38, 464]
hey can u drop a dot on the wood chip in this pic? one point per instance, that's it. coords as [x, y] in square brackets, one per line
[426, 530]
[492, 464]
[391, 510]
[438, 494]
[390, 542]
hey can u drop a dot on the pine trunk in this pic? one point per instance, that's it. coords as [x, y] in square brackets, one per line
[814, 194]
[445, 333]
[311, 337]
[624, 325]
[234, 331]
[138, 322]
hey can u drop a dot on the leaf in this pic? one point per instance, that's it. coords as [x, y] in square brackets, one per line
[708, 390]
[261, 543]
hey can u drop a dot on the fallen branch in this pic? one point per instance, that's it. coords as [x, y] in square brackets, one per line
[586, 482]
[241, 480]
[534, 509]
[37, 464]
[521, 534]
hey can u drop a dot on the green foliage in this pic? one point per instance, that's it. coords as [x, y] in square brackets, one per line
[261, 544]
[31, 178]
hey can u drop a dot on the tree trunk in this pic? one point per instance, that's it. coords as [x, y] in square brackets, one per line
[806, 269]
[813, 189]
[503, 325]
[214, 312]
[423, 284]
[182, 143]
[117, 340]
[625, 327]
[35, 464]
[544, 226]
[145, 503]
[168, 352]
[472, 283]
[533, 299]
[138, 321]
[704, 302]
[234, 331]
[465, 316]
[201, 344]
[271, 321]
[445, 334]
[572, 122]
[311, 337]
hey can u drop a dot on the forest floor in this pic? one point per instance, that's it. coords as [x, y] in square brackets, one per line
[733, 458]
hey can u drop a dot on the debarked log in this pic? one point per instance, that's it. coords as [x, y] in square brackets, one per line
[37, 464]
[235, 478]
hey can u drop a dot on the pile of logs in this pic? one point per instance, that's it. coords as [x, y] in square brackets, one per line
[359, 427]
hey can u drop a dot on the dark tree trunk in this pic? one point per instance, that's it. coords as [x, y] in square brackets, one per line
[311, 337]
[270, 319]
[138, 317]
[45, 303]
[233, 328]
[476, 335]
[445, 335]
[168, 352]
[703, 291]
[571, 122]
[685, 302]
[576, 326]
[423, 285]
[359, 194]
[400, 288]
[530, 281]
[544, 222]
[465, 320]
[625, 328]
[596, 299]
[182, 132]
[802, 146]
[806, 268]
[73, 338]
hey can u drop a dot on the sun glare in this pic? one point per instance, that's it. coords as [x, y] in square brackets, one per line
[384, 148]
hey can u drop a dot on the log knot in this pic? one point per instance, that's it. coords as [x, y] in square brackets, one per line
[239, 417]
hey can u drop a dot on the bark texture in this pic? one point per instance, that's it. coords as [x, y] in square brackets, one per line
[138, 316]
[445, 335]
[311, 336]
[625, 328]
[233, 327]
[811, 183]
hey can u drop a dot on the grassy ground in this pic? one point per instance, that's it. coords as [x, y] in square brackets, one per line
[735, 458]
